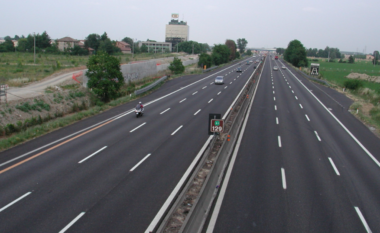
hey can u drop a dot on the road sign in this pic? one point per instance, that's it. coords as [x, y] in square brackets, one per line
[217, 125]
[210, 117]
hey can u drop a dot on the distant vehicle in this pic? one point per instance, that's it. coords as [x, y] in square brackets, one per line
[254, 67]
[238, 69]
[257, 60]
[275, 68]
[276, 57]
[219, 80]
[247, 62]
[283, 67]
[250, 61]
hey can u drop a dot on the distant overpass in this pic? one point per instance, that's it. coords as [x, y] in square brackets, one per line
[263, 49]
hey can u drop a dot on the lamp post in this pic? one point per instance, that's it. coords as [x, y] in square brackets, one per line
[34, 47]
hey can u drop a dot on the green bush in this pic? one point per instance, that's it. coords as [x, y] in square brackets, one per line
[353, 84]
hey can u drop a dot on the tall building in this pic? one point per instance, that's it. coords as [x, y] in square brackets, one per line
[176, 31]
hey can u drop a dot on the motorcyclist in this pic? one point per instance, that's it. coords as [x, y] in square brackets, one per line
[140, 106]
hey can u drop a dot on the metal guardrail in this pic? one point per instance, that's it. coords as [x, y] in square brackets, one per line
[209, 69]
[147, 88]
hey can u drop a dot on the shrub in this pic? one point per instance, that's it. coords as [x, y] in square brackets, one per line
[353, 84]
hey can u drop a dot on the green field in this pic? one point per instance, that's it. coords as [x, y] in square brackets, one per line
[19, 68]
[336, 73]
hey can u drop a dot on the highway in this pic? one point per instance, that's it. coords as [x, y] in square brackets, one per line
[113, 172]
[304, 164]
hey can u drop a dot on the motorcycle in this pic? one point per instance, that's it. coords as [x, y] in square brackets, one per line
[139, 112]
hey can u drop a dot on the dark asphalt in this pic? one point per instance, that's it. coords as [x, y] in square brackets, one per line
[315, 199]
[103, 191]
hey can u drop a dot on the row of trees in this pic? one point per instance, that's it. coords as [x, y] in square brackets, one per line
[327, 52]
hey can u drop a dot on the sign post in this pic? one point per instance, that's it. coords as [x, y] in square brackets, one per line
[212, 116]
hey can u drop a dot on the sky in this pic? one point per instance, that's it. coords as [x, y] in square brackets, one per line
[348, 25]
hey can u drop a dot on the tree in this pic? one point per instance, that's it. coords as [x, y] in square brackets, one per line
[249, 52]
[280, 51]
[237, 55]
[16, 37]
[144, 48]
[176, 66]
[128, 40]
[7, 46]
[104, 76]
[220, 54]
[242, 43]
[77, 50]
[295, 53]
[351, 59]
[375, 57]
[205, 60]
[232, 47]
[92, 41]
[22, 43]
[187, 47]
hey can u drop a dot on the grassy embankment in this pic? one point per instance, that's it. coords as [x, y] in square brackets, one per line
[17, 68]
[367, 98]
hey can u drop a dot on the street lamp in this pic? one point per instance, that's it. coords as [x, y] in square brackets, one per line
[34, 47]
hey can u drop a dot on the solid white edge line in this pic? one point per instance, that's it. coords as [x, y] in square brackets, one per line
[173, 194]
[137, 127]
[13, 202]
[316, 134]
[341, 124]
[333, 165]
[210, 100]
[92, 154]
[182, 100]
[177, 130]
[366, 226]
[279, 141]
[72, 222]
[307, 117]
[283, 178]
[218, 205]
[165, 111]
[197, 112]
[138, 164]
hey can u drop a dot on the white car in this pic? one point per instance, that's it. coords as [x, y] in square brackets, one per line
[219, 80]
[283, 67]
[275, 68]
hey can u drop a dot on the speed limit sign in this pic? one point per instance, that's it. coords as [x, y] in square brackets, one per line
[216, 125]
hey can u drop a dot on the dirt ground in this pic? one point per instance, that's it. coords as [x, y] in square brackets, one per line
[365, 77]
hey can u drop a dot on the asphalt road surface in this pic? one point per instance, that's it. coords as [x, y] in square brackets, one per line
[301, 166]
[113, 172]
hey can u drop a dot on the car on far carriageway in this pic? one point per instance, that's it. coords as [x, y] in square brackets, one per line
[219, 80]
[275, 68]
[238, 69]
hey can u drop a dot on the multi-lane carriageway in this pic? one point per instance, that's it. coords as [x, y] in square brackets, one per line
[303, 163]
[114, 172]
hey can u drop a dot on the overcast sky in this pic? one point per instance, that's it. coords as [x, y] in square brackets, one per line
[350, 25]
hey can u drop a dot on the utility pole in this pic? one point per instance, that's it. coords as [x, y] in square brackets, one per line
[34, 47]
[133, 47]
[193, 48]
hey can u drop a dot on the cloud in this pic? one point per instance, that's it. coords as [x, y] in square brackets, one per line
[310, 9]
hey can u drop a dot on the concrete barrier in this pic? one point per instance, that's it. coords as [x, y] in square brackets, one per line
[140, 70]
